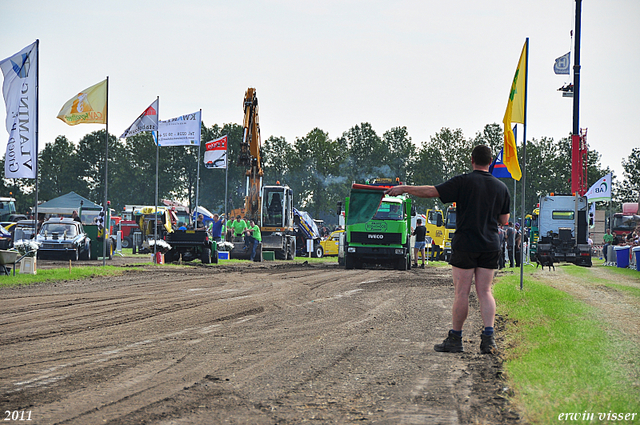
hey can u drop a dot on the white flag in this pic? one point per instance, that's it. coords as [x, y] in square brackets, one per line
[216, 154]
[147, 121]
[180, 131]
[601, 190]
[562, 64]
[20, 90]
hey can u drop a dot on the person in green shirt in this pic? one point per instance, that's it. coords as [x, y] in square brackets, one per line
[239, 225]
[608, 239]
[252, 236]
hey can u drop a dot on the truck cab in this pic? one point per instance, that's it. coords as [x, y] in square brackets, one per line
[384, 239]
[563, 228]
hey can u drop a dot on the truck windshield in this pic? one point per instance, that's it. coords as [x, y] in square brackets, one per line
[451, 220]
[389, 211]
[562, 215]
[624, 223]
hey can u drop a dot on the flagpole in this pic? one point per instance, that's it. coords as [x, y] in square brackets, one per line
[155, 227]
[524, 163]
[515, 200]
[35, 221]
[198, 166]
[106, 180]
[226, 184]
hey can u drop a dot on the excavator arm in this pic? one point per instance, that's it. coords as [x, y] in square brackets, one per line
[250, 156]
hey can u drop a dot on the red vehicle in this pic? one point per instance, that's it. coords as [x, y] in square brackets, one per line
[626, 221]
[127, 227]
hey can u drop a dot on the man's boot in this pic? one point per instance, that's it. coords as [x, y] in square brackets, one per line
[488, 344]
[452, 344]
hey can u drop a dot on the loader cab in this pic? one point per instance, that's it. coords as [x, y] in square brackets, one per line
[277, 207]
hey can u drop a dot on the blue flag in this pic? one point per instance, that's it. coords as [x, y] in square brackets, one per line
[562, 65]
[498, 168]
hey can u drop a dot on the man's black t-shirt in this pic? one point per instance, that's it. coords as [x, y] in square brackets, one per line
[480, 199]
[421, 233]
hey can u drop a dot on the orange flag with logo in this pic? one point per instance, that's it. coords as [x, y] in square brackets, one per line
[87, 107]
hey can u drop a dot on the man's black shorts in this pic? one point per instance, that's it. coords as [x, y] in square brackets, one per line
[471, 260]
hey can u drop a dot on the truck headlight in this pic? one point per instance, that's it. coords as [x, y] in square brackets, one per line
[399, 251]
[67, 245]
[351, 249]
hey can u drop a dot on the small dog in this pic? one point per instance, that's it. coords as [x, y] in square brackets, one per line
[544, 260]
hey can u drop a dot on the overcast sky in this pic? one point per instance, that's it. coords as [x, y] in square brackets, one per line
[334, 64]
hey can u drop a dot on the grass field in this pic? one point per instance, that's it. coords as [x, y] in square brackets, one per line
[568, 350]
[46, 275]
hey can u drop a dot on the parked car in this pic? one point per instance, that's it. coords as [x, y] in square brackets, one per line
[63, 238]
[23, 230]
[331, 245]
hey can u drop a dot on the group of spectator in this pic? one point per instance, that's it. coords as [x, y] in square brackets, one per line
[247, 230]
[632, 240]
[511, 243]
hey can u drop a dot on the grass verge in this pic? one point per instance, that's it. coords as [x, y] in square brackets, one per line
[46, 275]
[560, 360]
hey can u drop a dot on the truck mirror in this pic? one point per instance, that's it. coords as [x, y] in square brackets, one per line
[413, 211]
[339, 208]
[439, 221]
[527, 222]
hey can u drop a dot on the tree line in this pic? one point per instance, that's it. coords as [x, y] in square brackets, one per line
[320, 170]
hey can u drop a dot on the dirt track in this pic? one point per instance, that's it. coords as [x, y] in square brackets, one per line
[257, 343]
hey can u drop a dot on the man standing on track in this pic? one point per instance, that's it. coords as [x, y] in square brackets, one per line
[483, 202]
[420, 232]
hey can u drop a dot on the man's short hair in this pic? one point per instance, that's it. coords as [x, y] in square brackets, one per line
[481, 155]
[419, 221]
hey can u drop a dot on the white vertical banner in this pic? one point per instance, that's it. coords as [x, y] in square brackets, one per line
[216, 154]
[180, 131]
[20, 91]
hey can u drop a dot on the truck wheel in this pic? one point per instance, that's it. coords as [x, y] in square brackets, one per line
[291, 253]
[318, 252]
[348, 262]
[127, 242]
[402, 264]
[168, 257]
[86, 254]
[214, 257]
[206, 256]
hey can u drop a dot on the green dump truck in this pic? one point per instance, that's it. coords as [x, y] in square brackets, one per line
[378, 227]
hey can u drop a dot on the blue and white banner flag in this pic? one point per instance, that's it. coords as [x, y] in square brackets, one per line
[20, 91]
[180, 131]
[601, 190]
[498, 168]
[562, 65]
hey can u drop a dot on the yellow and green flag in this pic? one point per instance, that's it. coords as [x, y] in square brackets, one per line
[515, 113]
[87, 107]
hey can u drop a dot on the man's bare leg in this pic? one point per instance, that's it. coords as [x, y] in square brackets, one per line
[462, 279]
[484, 281]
